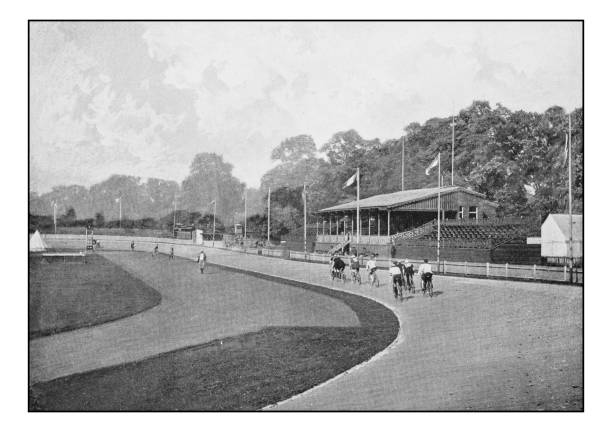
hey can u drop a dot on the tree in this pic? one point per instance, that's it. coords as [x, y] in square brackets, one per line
[294, 149]
[69, 217]
[211, 178]
[99, 219]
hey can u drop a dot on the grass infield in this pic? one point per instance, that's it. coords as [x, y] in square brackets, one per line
[245, 372]
[69, 296]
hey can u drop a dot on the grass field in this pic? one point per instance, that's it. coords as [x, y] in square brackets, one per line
[248, 371]
[68, 296]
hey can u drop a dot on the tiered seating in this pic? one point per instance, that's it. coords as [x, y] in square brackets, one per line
[496, 233]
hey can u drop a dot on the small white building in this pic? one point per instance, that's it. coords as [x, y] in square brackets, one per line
[556, 238]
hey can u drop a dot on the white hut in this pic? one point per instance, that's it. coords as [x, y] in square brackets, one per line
[37, 244]
[556, 238]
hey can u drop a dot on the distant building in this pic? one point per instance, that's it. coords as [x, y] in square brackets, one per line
[555, 238]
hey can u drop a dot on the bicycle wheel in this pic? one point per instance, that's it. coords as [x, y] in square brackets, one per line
[430, 288]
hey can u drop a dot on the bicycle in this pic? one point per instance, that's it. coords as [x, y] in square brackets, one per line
[428, 288]
[374, 279]
[356, 276]
[398, 288]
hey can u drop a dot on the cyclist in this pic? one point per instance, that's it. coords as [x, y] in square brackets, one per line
[396, 278]
[409, 273]
[355, 268]
[338, 267]
[371, 269]
[426, 273]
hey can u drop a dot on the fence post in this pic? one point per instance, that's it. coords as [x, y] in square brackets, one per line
[564, 273]
[465, 267]
[444, 266]
[487, 269]
[506, 270]
[534, 271]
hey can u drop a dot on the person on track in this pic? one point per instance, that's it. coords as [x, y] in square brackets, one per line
[132, 246]
[371, 268]
[338, 266]
[156, 250]
[396, 278]
[355, 268]
[171, 256]
[202, 261]
[425, 272]
[409, 274]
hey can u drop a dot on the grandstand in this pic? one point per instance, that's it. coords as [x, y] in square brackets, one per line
[406, 222]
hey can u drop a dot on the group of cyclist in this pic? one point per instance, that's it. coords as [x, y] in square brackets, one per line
[401, 273]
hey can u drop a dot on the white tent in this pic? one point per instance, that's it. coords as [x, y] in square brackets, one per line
[37, 244]
[556, 236]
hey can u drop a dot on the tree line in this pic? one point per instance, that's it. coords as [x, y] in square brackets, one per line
[516, 158]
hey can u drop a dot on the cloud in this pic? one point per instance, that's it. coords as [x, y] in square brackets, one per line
[155, 94]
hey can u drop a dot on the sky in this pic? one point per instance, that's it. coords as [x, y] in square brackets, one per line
[143, 98]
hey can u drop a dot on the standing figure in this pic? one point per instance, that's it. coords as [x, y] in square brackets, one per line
[202, 261]
[171, 256]
[132, 245]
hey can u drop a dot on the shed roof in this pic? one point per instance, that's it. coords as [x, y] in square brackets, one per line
[396, 199]
[562, 221]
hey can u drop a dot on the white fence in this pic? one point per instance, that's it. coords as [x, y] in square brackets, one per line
[187, 248]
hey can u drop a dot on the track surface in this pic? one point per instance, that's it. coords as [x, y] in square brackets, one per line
[195, 309]
[477, 345]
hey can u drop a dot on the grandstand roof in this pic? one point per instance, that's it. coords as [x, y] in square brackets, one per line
[401, 198]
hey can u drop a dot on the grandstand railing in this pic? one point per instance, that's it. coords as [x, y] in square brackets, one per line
[416, 232]
[364, 239]
[510, 220]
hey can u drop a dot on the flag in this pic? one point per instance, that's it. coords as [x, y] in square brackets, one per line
[350, 181]
[212, 202]
[117, 199]
[433, 164]
[566, 151]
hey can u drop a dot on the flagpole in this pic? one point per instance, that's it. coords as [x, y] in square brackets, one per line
[571, 245]
[268, 216]
[438, 248]
[358, 219]
[403, 152]
[214, 222]
[453, 152]
[304, 198]
[245, 216]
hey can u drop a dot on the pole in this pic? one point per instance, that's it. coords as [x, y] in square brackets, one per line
[453, 152]
[214, 222]
[403, 152]
[54, 218]
[174, 219]
[269, 216]
[245, 216]
[358, 219]
[119, 212]
[438, 248]
[571, 238]
[304, 197]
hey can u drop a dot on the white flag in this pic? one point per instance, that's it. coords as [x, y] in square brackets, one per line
[433, 164]
[117, 199]
[212, 202]
[566, 151]
[350, 181]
